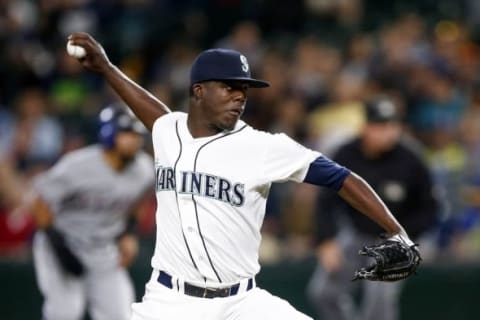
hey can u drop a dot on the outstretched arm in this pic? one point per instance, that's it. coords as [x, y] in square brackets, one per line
[361, 196]
[397, 257]
[146, 107]
[355, 191]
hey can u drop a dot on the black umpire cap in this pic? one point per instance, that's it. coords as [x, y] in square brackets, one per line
[381, 109]
[223, 64]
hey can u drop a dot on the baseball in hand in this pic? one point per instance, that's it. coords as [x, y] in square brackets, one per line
[75, 51]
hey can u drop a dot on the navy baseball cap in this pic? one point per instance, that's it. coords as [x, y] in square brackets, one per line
[223, 64]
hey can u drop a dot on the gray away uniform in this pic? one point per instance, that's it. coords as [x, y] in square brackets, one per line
[91, 203]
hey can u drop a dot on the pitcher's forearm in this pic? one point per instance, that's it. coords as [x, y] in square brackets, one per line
[361, 196]
[144, 105]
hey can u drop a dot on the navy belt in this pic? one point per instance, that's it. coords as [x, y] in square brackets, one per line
[203, 292]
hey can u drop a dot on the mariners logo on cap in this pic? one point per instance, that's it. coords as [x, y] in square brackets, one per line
[244, 61]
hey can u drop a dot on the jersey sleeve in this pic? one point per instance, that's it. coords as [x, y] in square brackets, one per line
[286, 159]
[327, 173]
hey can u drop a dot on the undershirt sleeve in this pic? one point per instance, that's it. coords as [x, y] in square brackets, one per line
[327, 173]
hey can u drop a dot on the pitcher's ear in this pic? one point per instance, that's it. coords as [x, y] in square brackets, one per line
[197, 91]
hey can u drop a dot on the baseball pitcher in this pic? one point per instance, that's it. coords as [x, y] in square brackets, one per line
[213, 173]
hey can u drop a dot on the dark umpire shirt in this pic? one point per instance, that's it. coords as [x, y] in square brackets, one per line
[399, 177]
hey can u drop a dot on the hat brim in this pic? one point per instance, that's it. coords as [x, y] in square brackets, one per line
[253, 83]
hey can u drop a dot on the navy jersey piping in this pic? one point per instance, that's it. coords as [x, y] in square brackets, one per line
[195, 203]
[176, 194]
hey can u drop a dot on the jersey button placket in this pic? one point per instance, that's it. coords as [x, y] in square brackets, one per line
[189, 215]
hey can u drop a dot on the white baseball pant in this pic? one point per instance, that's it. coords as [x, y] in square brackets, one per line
[161, 302]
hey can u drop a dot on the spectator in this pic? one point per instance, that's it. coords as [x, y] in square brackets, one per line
[16, 224]
[30, 137]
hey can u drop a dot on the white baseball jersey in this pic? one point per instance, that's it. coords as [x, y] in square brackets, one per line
[211, 197]
[90, 201]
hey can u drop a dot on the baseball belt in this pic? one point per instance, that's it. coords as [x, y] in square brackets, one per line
[203, 292]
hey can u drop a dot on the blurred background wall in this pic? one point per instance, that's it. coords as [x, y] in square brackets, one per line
[323, 58]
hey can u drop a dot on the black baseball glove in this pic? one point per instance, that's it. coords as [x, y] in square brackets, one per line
[67, 259]
[396, 258]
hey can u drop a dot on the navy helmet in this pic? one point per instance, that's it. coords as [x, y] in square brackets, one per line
[116, 118]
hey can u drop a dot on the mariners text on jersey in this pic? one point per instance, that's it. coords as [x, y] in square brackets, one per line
[202, 184]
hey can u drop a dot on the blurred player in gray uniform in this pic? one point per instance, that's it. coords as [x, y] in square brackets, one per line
[85, 210]
[213, 176]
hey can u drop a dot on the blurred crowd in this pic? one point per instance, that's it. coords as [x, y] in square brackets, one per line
[324, 58]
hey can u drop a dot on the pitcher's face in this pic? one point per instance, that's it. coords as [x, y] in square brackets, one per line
[223, 102]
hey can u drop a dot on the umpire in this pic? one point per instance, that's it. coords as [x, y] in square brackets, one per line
[401, 179]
